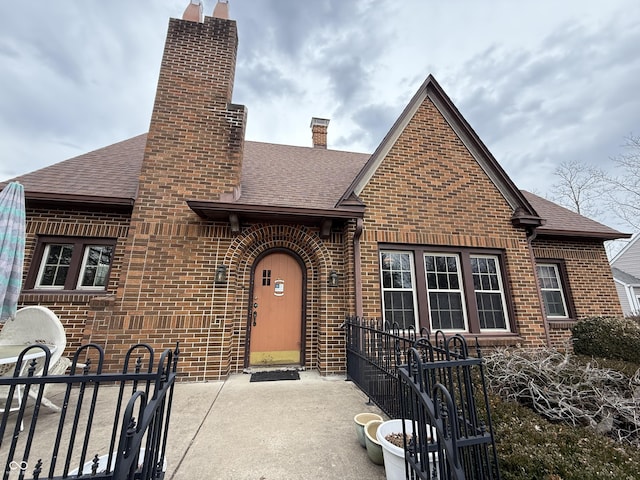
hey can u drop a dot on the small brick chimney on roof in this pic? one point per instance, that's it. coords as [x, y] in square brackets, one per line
[319, 132]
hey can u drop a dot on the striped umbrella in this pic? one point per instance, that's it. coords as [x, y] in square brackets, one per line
[12, 237]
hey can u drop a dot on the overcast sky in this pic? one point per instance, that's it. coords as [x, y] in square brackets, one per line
[540, 81]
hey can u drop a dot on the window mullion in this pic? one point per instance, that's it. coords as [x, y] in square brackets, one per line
[469, 292]
[74, 269]
[421, 290]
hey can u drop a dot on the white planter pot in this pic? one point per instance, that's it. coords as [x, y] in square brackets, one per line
[361, 420]
[393, 455]
[374, 449]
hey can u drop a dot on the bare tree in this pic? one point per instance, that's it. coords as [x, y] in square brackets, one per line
[623, 192]
[579, 188]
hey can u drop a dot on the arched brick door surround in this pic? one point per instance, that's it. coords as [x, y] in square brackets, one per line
[245, 250]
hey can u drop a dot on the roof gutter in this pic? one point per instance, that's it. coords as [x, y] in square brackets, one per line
[60, 200]
[545, 232]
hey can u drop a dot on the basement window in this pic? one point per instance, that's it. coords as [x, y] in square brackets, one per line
[70, 263]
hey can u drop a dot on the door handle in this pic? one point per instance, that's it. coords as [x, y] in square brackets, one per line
[255, 315]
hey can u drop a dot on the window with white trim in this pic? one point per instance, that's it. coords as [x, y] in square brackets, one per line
[398, 293]
[444, 289]
[487, 284]
[64, 263]
[95, 267]
[454, 291]
[552, 291]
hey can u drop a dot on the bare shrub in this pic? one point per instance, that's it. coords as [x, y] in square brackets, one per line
[561, 389]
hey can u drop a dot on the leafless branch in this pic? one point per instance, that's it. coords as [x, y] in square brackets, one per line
[562, 390]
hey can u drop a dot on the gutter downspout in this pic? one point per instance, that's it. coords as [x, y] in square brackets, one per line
[531, 236]
[357, 265]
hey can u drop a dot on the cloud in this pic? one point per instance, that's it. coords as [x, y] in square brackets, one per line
[538, 88]
[371, 124]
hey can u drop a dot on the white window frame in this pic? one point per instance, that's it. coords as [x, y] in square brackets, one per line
[505, 312]
[100, 266]
[79, 254]
[460, 290]
[43, 265]
[560, 288]
[392, 289]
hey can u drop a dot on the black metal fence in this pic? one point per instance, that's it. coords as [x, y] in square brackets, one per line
[375, 351]
[436, 385]
[107, 425]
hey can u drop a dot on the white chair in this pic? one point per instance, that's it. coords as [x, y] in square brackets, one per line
[37, 324]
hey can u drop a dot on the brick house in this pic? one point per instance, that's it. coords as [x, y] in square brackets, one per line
[252, 253]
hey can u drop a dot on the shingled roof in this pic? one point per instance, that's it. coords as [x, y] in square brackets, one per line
[108, 175]
[560, 221]
[272, 176]
[283, 175]
[624, 277]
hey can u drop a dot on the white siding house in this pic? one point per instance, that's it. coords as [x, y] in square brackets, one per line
[625, 267]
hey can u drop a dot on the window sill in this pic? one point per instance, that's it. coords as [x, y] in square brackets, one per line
[64, 296]
[493, 339]
[561, 324]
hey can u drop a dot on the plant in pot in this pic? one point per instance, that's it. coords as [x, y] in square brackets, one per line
[390, 437]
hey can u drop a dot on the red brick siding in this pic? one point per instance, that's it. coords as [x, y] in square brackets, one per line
[591, 283]
[429, 190]
[210, 320]
[74, 309]
[194, 145]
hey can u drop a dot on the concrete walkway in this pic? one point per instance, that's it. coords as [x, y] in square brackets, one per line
[237, 430]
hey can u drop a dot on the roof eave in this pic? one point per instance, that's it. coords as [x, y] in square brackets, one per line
[61, 200]
[520, 220]
[234, 212]
[582, 234]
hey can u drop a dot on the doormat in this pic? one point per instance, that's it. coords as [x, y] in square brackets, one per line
[275, 375]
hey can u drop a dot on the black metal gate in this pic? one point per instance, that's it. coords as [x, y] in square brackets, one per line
[438, 386]
[71, 443]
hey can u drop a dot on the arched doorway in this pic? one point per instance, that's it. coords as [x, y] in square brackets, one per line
[276, 311]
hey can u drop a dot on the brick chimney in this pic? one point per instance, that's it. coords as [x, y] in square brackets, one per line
[319, 132]
[196, 136]
[193, 152]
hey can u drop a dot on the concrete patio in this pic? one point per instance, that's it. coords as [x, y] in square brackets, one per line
[237, 430]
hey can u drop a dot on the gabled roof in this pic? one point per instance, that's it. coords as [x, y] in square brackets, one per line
[561, 221]
[624, 277]
[629, 246]
[430, 89]
[278, 181]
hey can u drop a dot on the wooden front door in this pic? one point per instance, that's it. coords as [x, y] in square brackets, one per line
[276, 312]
